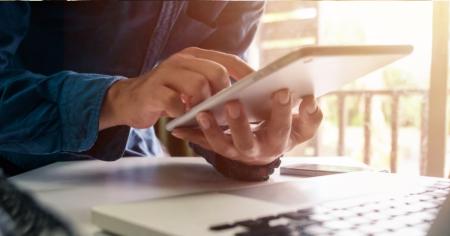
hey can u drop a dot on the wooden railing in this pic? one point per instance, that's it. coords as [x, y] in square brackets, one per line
[368, 95]
[287, 25]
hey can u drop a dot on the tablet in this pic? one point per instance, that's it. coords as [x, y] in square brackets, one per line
[310, 70]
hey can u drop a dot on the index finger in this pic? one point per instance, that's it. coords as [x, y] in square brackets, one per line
[237, 67]
[215, 73]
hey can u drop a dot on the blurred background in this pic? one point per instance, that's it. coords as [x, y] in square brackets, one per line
[384, 118]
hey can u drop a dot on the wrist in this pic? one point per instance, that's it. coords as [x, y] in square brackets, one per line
[111, 113]
[235, 169]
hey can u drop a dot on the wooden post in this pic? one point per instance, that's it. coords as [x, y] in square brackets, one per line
[342, 123]
[367, 126]
[438, 91]
[394, 131]
[423, 134]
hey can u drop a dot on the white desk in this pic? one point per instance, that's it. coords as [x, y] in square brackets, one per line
[72, 188]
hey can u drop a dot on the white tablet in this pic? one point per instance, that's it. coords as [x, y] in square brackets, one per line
[310, 70]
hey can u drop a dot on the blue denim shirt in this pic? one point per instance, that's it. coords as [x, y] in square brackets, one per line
[58, 59]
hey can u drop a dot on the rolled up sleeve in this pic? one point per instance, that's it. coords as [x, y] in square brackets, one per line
[46, 114]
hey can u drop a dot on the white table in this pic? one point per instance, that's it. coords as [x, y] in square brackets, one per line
[72, 188]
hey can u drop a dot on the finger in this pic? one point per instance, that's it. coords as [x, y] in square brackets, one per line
[279, 125]
[218, 141]
[309, 109]
[243, 138]
[192, 135]
[216, 74]
[305, 124]
[192, 84]
[169, 101]
[237, 67]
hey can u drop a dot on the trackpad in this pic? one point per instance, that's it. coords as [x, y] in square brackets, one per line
[287, 194]
[318, 189]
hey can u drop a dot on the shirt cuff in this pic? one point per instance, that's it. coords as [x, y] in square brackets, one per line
[110, 144]
[80, 105]
[235, 169]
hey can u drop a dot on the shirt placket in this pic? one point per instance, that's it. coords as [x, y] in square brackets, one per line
[169, 13]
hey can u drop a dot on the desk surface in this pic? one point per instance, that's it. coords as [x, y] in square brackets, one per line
[73, 188]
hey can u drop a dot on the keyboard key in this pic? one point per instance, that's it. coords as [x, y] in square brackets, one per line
[429, 205]
[300, 224]
[308, 211]
[321, 209]
[394, 213]
[253, 223]
[322, 217]
[355, 221]
[390, 225]
[338, 225]
[413, 208]
[407, 231]
[370, 230]
[439, 193]
[270, 231]
[342, 214]
[377, 216]
[268, 218]
[295, 215]
[424, 227]
[316, 230]
[412, 220]
[347, 233]
[279, 221]
[442, 185]
[361, 211]
[425, 216]
[222, 227]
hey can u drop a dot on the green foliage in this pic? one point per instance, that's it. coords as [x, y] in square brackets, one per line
[396, 78]
[355, 111]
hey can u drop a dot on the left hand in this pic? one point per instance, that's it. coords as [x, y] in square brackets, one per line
[266, 143]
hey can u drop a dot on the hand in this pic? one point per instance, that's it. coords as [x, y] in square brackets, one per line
[264, 144]
[181, 81]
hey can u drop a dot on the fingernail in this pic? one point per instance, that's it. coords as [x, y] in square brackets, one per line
[283, 97]
[203, 121]
[234, 111]
[311, 109]
[184, 98]
[176, 133]
[231, 152]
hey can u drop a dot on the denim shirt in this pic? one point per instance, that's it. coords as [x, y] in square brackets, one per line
[57, 60]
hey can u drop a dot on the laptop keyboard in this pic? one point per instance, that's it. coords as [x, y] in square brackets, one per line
[409, 214]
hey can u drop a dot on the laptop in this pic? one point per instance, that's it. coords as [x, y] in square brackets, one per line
[359, 203]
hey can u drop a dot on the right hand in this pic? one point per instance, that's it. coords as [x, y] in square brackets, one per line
[181, 81]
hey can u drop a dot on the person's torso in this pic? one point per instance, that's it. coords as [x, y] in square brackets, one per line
[114, 38]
